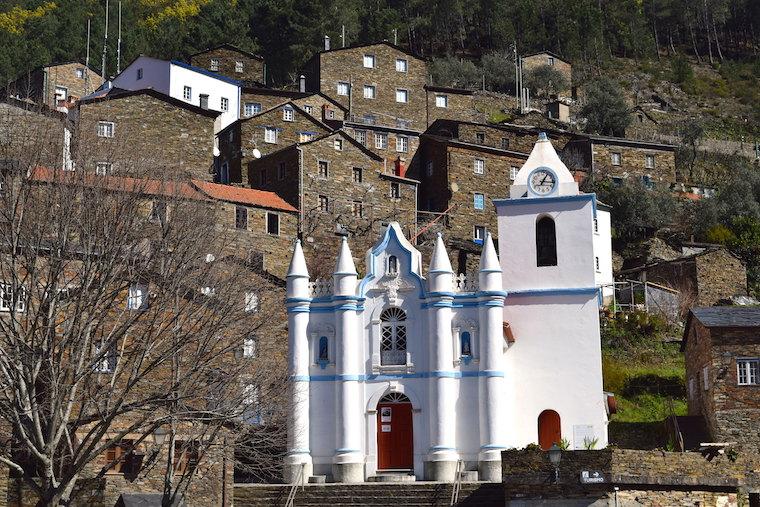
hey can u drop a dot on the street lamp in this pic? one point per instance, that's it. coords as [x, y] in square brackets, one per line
[555, 456]
[159, 436]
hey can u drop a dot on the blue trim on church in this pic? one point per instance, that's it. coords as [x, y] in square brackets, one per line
[538, 200]
[396, 376]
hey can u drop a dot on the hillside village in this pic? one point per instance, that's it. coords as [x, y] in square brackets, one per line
[365, 165]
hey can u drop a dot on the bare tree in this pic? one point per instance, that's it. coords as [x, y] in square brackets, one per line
[123, 331]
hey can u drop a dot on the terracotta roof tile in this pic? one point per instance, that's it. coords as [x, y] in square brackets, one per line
[246, 196]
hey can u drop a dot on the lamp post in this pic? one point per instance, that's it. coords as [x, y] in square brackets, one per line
[555, 456]
[159, 436]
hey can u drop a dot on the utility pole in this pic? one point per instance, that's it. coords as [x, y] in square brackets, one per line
[87, 60]
[343, 36]
[118, 45]
[105, 47]
[395, 36]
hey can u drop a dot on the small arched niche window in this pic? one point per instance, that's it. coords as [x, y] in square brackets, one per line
[392, 265]
[546, 242]
[323, 354]
[465, 344]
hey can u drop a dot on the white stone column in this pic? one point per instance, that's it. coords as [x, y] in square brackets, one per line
[298, 456]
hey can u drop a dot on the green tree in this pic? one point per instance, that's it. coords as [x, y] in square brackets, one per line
[456, 72]
[605, 111]
[545, 80]
[499, 70]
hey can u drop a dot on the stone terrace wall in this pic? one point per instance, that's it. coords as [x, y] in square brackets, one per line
[719, 275]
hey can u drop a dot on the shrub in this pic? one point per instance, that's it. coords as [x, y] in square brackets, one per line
[681, 71]
[545, 80]
[499, 70]
[455, 72]
[606, 111]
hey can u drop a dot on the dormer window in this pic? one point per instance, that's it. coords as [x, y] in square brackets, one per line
[392, 266]
[287, 114]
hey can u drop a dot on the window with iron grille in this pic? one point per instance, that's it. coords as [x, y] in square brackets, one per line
[357, 172]
[324, 168]
[324, 203]
[357, 209]
[393, 336]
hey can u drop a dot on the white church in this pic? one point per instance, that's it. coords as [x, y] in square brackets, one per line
[409, 370]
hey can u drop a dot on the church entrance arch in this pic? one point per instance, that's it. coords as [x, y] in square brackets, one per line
[395, 437]
[549, 429]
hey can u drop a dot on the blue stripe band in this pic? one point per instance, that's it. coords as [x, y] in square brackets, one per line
[395, 376]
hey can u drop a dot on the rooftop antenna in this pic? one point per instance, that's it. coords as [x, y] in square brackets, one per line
[105, 46]
[87, 60]
[395, 36]
[118, 45]
[343, 36]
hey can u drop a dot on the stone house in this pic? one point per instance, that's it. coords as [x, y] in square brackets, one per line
[145, 131]
[721, 346]
[458, 182]
[380, 83]
[34, 136]
[269, 131]
[450, 104]
[644, 125]
[255, 99]
[702, 278]
[534, 60]
[505, 136]
[340, 187]
[56, 85]
[653, 164]
[231, 61]
[398, 147]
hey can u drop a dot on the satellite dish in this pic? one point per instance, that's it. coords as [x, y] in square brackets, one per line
[216, 151]
[256, 153]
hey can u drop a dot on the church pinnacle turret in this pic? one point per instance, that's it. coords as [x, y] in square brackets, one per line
[489, 269]
[344, 277]
[440, 274]
[298, 274]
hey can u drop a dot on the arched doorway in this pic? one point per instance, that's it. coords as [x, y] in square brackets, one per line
[549, 429]
[395, 449]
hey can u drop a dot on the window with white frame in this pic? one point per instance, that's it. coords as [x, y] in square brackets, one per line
[513, 173]
[187, 93]
[273, 224]
[464, 343]
[241, 217]
[442, 101]
[395, 190]
[393, 336]
[79, 73]
[401, 65]
[706, 378]
[249, 347]
[402, 144]
[369, 61]
[103, 168]
[550, 61]
[361, 136]
[369, 92]
[308, 109]
[225, 104]
[479, 166]
[106, 128]
[479, 201]
[748, 371]
[330, 114]
[649, 161]
[137, 298]
[251, 302]
[338, 144]
[381, 141]
[402, 95]
[270, 135]
[479, 233]
[617, 158]
[239, 67]
[288, 114]
[343, 88]
[7, 296]
[324, 168]
[251, 108]
[214, 65]
[61, 93]
[105, 358]
[305, 137]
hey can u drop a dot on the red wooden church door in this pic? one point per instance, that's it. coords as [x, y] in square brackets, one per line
[549, 429]
[394, 433]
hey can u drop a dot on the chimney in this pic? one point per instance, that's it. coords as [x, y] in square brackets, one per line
[327, 43]
[302, 83]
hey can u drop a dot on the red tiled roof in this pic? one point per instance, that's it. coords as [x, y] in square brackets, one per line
[145, 186]
[246, 196]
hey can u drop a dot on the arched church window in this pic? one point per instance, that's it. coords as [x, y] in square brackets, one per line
[393, 336]
[393, 265]
[323, 356]
[465, 340]
[394, 398]
[546, 242]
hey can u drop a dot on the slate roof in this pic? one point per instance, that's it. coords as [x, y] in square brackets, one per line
[119, 93]
[232, 47]
[727, 316]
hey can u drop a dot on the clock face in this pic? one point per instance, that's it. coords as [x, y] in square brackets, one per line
[542, 182]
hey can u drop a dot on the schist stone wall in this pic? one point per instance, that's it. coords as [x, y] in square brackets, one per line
[395, 146]
[356, 193]
[631, 161]
[231, 63]
[32, 138]
[377, 82]
[40, 85]
[731, 411]
[532, 62]
[237, 142]
[643, 478]
[719, 275]
[139, 119]
[451, 104]
[256, 100]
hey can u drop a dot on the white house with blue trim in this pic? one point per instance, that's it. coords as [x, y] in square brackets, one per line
[410, 372]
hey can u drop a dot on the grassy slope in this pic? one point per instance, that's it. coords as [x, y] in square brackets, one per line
[643, 380]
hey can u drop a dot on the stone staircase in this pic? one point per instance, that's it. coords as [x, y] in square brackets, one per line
[377, 494]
